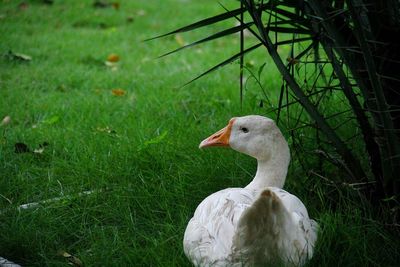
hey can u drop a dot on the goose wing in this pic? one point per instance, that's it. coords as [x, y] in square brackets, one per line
[209, 234]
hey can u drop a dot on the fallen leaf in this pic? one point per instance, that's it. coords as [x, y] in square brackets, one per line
[75, 261]
[22, 57]
[17, 56]
[5, 121]
[113, 58]
[106, 130]
[38, 150]
[179, 40]
[115, 5]
[23, 6]
[141, 12]
[21, 148]
[41, 148]
[118, 92]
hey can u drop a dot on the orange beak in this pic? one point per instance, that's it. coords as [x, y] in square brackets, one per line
[220, 138]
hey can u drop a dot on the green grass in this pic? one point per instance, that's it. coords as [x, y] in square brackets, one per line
[148, 174]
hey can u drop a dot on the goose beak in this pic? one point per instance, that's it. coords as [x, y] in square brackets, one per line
[220, 138]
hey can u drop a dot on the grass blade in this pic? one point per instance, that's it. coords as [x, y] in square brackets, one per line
[203, 23]
[288, 30]
[212, 37]
[292, 41]
[294, 19]
[241, 58]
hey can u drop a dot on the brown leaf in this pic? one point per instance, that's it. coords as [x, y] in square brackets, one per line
[23, 6]
[118, 92]
[115, 5]
[113, 58]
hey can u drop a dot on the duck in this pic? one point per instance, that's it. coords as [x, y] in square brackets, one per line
[260, 224]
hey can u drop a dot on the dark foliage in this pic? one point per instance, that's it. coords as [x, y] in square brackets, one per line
[353, 49]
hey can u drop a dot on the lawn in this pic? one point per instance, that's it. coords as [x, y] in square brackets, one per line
[127, 134]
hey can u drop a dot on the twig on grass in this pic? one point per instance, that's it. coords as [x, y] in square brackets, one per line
[39, 204]
[32, 205]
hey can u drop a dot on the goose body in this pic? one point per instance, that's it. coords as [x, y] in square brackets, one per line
[261, 223]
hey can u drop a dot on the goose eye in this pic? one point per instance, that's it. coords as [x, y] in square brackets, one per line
[244, 129]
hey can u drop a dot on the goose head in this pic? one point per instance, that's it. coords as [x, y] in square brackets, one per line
[260, 138]
[254, 135]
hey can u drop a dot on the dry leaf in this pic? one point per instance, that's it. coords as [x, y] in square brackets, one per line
[38, 150]
[115, 5]
[5, 121]
[106, 130]
[113, 58]
[23, 6]
[118, 92]
[75, 261]
[141, 12]
[17, 56]
[41, 148]
[179, 40]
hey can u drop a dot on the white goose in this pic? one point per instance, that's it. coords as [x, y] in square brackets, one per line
[258, 224]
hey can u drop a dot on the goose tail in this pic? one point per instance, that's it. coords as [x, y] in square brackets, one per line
[265, 233]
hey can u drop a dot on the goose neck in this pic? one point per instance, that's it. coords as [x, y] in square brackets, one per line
[270, 173]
